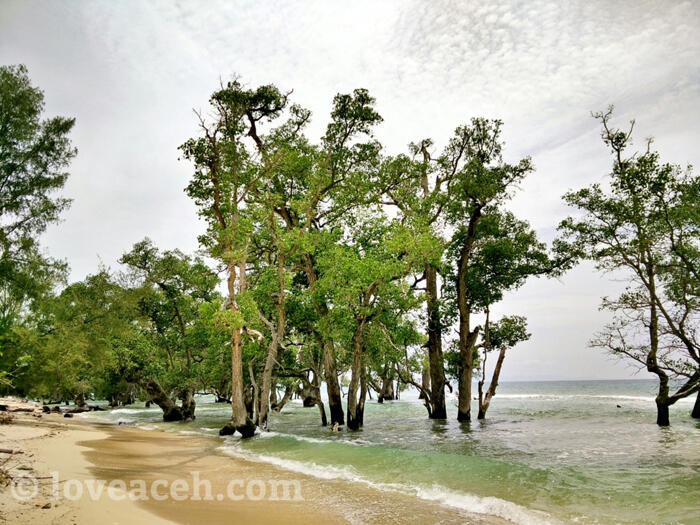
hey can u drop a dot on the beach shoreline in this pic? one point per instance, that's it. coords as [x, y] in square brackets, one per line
[64, 454]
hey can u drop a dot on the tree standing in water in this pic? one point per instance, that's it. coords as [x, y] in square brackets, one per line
[647, 225]
[226, 174]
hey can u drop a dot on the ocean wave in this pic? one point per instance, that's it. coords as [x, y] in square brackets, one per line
[471, 503]
[272, 434]
[134, 411]
[556, 397]
[485, 505]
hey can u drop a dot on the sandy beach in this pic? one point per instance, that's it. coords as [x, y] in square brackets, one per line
[63, 454]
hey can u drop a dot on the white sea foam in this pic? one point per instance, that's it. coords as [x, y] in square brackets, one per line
[485, 505]
[467, 502]
[557, 397]
[271, 434]
[134, 411]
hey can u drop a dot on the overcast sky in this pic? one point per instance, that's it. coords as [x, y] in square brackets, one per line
[131, 73]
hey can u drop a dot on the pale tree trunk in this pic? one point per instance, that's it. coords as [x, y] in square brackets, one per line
[288, 392]
[79, 400]
[363, 395]
[425, 380]
[467, 337]
[335, 398]
[256, 393]
[171, 412]
[438, 407]
[354, 419]
[188, 404]
[388, 392]
[330, 369]
[239, 421]
[277, 333]
[310, 393]
[484, 405]
[273, 393]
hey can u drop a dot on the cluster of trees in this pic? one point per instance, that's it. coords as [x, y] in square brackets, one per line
[340, 264]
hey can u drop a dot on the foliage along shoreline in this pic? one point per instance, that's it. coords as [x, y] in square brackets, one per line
[339, 261]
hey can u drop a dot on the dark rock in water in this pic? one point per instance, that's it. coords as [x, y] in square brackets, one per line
[95, 408]
[67, 414]
[56, 410]
[3, 408]
[619, 406]
[46, 409]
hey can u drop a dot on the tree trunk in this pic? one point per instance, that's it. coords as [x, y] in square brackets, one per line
[322, 410]
[79, 400]
[273, 393]
[335, 398]
[188, 405]
[267, 385]
[388, 389]
[696, 409]
[288, 392]
[355, 372]
[363, 396]
[171, 412]
[239, 418]
[311, 392]
[483, 407]
[467, 338]
[425, 380]
[662, 418]
[256, 394]
[276, 334]
[437, 367]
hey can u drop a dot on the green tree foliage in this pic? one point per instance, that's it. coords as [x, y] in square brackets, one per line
[646, 225]
[342, 266]
[34, 156]
[172, 288]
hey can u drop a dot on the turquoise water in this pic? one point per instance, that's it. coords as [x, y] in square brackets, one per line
[549, 452]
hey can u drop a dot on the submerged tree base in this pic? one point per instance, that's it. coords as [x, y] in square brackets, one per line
[178, 414]
[246, 431]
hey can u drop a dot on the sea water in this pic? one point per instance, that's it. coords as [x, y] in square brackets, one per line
[548, 452]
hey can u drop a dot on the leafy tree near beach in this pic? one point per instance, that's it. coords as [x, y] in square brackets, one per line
[363, 277]
[646, 227]
[308, 188]
[418, 186]
[499, 336]
[70, 349]
[225, 176]
[35, 153]
[479, 251]
[171, 288]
